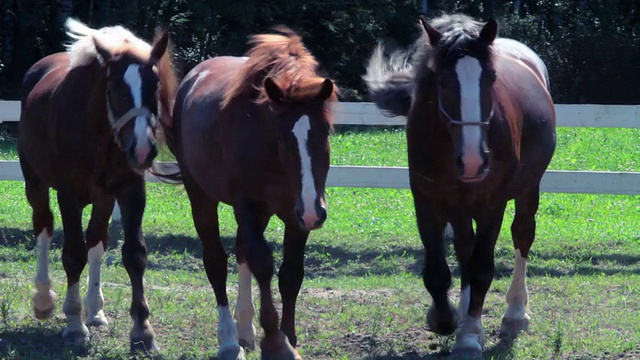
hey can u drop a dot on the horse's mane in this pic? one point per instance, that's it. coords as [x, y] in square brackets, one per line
[281, 56]
[82, 50]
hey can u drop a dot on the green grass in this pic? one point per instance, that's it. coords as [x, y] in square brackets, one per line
[363, 296]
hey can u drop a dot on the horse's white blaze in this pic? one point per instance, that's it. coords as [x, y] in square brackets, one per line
[517, 295]
[470, 335]
[94, 301]
[245, 310]
[72, 308]
[227, 334]
[301, 132]
[134, 80]
[43, 298]
[469, 71]
[465, 297]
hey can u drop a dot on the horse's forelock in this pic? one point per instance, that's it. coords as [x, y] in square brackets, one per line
[281, 56]
[82, 49]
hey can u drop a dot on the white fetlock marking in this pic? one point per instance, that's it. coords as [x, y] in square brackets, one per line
[43, 299]
[245, 310]
[518, 295]
[470, 335]
[73, 310]
[227, 334]
[465, 297]
[94, 301]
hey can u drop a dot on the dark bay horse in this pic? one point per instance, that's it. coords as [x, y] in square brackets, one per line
[480, 132]
[88, 129]
[253, 133]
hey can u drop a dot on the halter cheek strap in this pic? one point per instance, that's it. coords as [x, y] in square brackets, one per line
[484, 123]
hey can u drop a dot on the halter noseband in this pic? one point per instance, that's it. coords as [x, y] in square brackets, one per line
[484, 123]
[131, 114]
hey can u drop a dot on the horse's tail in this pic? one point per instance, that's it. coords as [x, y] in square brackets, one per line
[390, 81]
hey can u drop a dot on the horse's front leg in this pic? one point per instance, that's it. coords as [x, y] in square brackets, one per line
[290, 277]
[442, 317]
[479, 270]
[132, 200]
[251, 216]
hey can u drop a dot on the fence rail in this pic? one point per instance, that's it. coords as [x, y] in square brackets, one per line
[366, 114]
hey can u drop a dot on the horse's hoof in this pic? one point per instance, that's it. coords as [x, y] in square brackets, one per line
[43, 314]
[443, 323]
[145, 346]
[231, 353]
[43, 304]
[247, 344]
[512, 327]
[143, 341]
[278, 348]
[247, 338]
[467, 354]
[77, 340]
[97, 320]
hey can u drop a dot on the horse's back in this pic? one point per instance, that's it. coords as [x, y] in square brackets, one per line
[197, 118]
[40, 70]
[34, 129]
[522, 90]
[521, 52]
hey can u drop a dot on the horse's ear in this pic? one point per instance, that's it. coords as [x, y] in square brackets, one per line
[432, 34]
[159, 47]
[489, 31]
[103, 50]
[273, 90]
[326, 90]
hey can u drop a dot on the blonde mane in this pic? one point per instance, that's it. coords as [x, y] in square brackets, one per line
[82, 49]
[282, 57]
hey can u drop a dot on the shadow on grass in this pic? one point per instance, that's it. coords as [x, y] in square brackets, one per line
[330, 261]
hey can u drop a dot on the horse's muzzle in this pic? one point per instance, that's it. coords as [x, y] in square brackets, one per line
[312, 220]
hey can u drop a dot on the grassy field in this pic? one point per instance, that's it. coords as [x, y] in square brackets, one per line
[362, 297]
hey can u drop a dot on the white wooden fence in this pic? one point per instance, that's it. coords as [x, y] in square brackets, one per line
[555, 181]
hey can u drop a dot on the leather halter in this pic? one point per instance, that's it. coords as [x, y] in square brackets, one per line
[132, 114]
[484, 123]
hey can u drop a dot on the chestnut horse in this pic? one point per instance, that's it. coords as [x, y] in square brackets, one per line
[87, 129]
[253, 133]
[480, 132]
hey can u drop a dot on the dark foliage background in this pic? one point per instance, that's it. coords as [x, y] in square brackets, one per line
[591, 47]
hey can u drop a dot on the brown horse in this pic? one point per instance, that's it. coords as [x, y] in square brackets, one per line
[87, 129]
[254, 133]
[480, 132]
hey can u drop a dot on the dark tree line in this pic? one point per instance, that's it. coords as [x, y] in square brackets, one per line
[592, 47]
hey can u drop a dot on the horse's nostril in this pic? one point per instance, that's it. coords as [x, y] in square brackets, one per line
[322, 215]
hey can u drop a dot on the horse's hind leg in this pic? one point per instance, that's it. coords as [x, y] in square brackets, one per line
[244, 311]
[523, 231]
[74, 259]
[252, 219]
[97, 239]
[132, 201]
[38, 197]
[205, 219]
